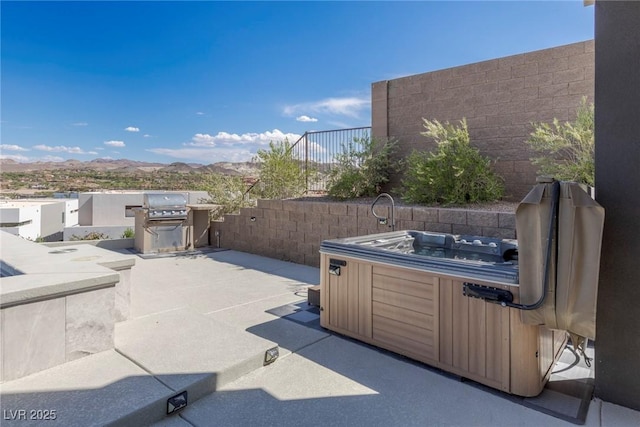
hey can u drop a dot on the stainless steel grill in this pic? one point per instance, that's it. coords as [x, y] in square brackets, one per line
[165, 206]
[162, 223]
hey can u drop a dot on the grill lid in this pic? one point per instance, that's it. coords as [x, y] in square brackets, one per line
[164, 200]
[165, 205]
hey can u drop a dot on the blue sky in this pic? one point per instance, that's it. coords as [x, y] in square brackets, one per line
[215, 81]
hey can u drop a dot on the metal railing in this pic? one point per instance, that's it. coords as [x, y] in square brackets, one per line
[316, 153]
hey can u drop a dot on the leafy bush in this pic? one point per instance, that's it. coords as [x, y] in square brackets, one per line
[455, 173]
[281, 175]
[567, 150]
[362, 168]
[128, 233]
[228, 191]
[93, 235]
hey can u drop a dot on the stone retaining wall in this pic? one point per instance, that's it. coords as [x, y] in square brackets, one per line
[293, 230]
[500, 98]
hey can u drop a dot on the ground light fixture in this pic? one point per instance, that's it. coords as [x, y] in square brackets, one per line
[271, 355]
[176, 403]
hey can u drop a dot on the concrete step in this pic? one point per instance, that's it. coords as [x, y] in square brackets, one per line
[100, 389]
[187, 350]
[156, 357]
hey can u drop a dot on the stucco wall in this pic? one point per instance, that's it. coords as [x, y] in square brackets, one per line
[499, 98]
[617, 136]
[29, 215]
[52, 221]
[108, 208]
[293, 230]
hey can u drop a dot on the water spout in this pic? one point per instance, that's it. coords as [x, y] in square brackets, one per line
[383, 219]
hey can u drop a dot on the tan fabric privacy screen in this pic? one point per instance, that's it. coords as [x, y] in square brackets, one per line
[570, 301]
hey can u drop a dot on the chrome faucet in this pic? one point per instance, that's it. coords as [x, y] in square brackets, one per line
[383, 220]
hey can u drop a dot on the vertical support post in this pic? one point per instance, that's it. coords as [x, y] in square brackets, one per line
[617, 139]
[306, 163]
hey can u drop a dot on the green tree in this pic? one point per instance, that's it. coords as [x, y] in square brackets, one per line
[281, 175]
[363, 166]
[566, 149]
[455, 173]
[227, 191]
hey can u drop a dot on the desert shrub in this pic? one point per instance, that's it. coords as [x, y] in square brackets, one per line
[454, 173]
[566, 149]
[93, 235]
[281, 174]
[363, 166]
[229, 192]
[128, 233]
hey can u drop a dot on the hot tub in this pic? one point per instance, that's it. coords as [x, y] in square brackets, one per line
[408, 292]
[469, 256]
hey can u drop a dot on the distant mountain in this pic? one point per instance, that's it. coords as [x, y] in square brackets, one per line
[133, 166]
[178, 167]
[220, 169]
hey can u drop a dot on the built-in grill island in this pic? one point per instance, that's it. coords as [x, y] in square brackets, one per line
[161, 225]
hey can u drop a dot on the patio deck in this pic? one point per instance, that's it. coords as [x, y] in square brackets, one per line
[203, 321]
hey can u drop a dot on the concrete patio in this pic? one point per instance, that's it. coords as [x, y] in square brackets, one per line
[203, 321]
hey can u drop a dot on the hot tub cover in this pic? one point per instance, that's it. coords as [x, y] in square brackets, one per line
[570, 302]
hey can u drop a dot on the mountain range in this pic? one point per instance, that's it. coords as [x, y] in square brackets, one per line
[132, 166]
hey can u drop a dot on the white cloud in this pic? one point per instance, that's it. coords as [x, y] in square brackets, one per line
[230, 139]
[80, 124]
[199, 113]
[132, 129]
[306, 119]
[204, 140]
[349, 106]
[316, 151]
[114, 143]
[15, 157]
[23, 159]
[62, 149]
[146, 135]
[12, 147]
[224, 146]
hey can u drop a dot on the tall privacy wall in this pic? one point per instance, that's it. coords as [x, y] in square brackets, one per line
[499, 98]
[293, 230]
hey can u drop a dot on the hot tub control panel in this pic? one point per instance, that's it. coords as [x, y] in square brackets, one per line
[487, 293]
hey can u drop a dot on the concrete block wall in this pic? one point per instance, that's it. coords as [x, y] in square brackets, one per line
[499, 98]
[293, 230]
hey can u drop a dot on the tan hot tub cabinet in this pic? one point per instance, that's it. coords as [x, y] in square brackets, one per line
[425, 316]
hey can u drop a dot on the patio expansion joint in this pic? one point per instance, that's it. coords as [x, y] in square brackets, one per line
[308, 345]
[143, 316]
[249, 302]
[139, 365]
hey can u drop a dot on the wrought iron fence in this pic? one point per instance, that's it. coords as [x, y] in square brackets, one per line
[317, 152]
